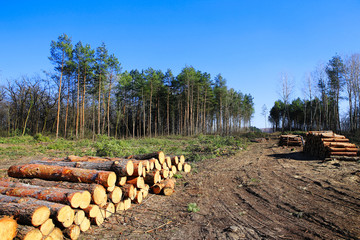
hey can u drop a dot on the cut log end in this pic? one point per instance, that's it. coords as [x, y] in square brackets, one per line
[116, 195]
[72, 232]
[99, 196]
[8, 228]
[29, 233]
[92, 211]
[85, 224]
[56, 234]
[40, 215]
[79, 217]
[187, 167]
[65, 214]
[109, 210]
[47, 227]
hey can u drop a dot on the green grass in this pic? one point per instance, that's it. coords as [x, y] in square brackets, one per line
[195, 148]
[192, 207]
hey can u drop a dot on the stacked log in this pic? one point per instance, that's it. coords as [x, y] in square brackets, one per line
[64, 196]
[290, 140]
[327, 144]
[8, 228]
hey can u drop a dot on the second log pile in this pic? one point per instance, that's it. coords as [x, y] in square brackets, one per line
[55, 197]
[327, 144]
[290, 140]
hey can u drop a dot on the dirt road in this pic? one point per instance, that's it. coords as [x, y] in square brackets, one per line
[265, 192]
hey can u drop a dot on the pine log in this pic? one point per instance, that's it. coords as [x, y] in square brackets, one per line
[171, 174]
[97, 191]
[72, 232]
[136, 181]
[79, 217]
[127, 204]
[128, 190]
[165, 186]
[85, 224]
[187, 168]
[47, 227]
[339, 144]
[110, 189]
[179, 166]
[59, 212]
[182, 159]
[28, 233]
[121, 181]
[119, 207]
[174, 160]
[158, 155]
[8, 228]
[135, 192]
[346, 149]
[144, 172]
[173, 169]
[139, 197]
[74, 198]
[145, 192]
[152, 177]
[146, 164]
[116, 195]
[26, 213]
[109, 210]
[105, 178]
[343, 153]
[138, 168]
[92, 211]
[335, 140]
[168, 161]
[56, 234]
[99, 219]
[164, 166]
[164, 173]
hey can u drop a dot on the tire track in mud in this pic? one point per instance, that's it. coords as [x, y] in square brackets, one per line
[285, 180]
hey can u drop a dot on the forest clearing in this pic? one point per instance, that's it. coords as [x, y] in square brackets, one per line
[264, 192]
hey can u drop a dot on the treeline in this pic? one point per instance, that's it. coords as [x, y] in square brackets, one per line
[324, 89]
[89, 94]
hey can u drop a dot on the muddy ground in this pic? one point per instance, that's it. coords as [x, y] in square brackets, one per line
[265, 192]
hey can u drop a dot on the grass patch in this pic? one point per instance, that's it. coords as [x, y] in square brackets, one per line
[194, 148]
[193, 207]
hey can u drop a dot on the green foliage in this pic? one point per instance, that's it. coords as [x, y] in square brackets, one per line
[177, 175]
[40, 138]
[193, 207]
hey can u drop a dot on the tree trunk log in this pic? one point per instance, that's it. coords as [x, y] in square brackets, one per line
[85, 224]
[28, 233]
[74, 198]
[152, 177]
[116, 195]
[58, 173]
[72, 232]
[26, 213]
[128, 190]
[138, 182]
[165, 187]
[56, 234]
[47, 227]
[59, 212]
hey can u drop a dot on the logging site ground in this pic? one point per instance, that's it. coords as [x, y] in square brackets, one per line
[236, 190]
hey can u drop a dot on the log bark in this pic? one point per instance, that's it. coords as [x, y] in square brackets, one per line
[28, 233]
[343, 153]
[346, 149]
[8, 228]
[47, 227]
[339, 144]
[128, 190]
[26, 213]
[57, 173]
[152, 177]
[59, 212]
[74, 198]
[138, 168]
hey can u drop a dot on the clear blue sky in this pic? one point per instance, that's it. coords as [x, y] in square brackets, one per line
[249, 42]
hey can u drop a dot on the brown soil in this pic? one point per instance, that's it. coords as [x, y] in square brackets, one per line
[265, 192]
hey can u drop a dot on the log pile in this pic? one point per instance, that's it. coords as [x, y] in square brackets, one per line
[327, 144]
[53, 198]
[290, 140]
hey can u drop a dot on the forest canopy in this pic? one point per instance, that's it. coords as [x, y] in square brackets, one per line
[89, 94]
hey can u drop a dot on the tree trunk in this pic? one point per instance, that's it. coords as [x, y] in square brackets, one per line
[28, 233]
[57, 173]
[25, 213]
[58, 100]
[165, 187]
[74, 198]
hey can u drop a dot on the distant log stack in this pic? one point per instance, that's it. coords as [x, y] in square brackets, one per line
[53, 198]
[290, 140]
[327, 144]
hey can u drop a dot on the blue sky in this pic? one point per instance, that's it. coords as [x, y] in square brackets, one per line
[249, 42]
